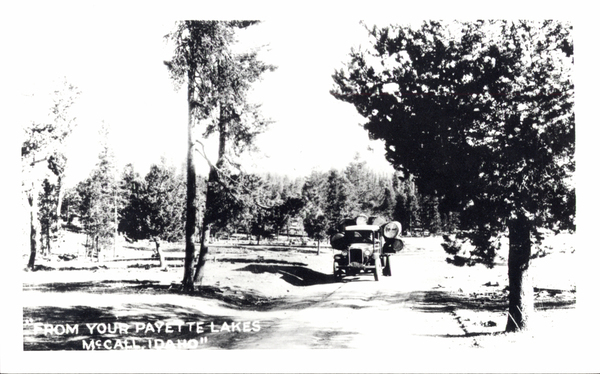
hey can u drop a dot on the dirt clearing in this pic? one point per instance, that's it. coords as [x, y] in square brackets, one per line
[275, 297]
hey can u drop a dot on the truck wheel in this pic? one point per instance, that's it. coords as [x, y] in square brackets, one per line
[377, 269]
[337, 276]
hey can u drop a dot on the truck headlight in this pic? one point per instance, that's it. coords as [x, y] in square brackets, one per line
[367, 253]
[392, 230]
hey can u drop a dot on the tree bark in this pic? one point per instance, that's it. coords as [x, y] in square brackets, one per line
[34, 228]
[206, 222]
[48, 250]
[159, 253]
[199, 275]
[60, 193]
[190, 223]
[210, 197]
[97, 246]
[520, 297]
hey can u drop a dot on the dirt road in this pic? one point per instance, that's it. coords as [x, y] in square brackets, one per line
[282, 298]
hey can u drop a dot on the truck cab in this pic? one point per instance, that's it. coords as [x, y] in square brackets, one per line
[364, 249]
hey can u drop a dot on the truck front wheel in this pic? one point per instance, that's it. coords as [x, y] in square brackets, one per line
[337, 273]
[377, 269]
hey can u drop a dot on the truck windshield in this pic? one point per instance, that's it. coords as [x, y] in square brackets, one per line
[359, 236]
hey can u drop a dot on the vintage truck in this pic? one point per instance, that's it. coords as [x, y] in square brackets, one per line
[365, 247]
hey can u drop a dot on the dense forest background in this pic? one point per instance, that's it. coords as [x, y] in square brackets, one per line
[111, 202]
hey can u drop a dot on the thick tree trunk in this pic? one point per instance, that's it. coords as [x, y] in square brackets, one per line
[205, 234]
[206, 222]
[213, 177]
[190, 224]
[34, 229]
[520, 297]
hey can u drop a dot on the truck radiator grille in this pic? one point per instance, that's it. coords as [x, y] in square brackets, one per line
[356, 255]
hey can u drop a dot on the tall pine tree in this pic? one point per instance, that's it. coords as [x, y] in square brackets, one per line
[218, 80]
[481, 113]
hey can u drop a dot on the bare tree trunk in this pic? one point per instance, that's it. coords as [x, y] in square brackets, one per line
[60, 193]
[57, 224]
[190, 223]
[97, 248]
[260, 227]
[34, 228]
[159, 253]
[48, 250]
[318, 247]
[116, 217]
[204, 235]
[210, 198]
[520, 297]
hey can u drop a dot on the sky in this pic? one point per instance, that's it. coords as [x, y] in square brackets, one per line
[118, 67]
[114, 52]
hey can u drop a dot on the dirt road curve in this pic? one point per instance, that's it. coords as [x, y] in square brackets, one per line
[284, 298]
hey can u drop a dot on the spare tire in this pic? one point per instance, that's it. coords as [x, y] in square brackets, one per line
[338, 241]
[393, 246]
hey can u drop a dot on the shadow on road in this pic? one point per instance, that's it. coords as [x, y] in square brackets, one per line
[70, 268]
[105, 286]
[261, 261]
[143, 322]
[267, 248]
[444, 301]
[295, 275]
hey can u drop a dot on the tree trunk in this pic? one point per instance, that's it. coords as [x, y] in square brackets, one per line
[520, 297]
[318, 247]
[97, 246]
[59, 193]
[210, 196]
[206, 222]
[57, 223]
[48, 250]
[34, 228]
[161, 256]
[190, 223]
[205, 234]
[116, 233]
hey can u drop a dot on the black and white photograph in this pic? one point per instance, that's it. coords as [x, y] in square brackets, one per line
[261, 187]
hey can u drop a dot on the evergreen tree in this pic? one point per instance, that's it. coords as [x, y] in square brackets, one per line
[336, 203]
[43, 144]
[218, 80]
[99, 196]
[481, 113]
[316, 225]
[163, 201]
[48, 200]
[132, 210]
